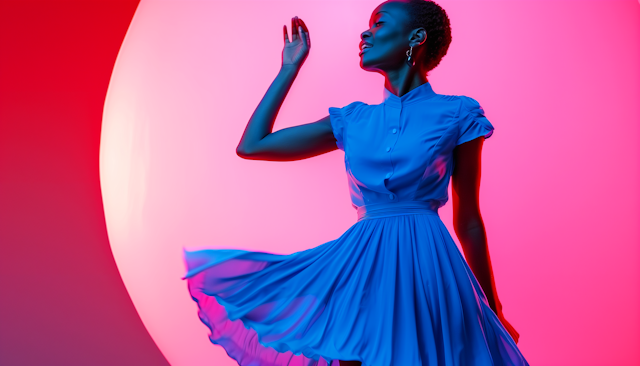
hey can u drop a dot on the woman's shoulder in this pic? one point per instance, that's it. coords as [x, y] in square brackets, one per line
[459, 103]
[460, 99]
[354, 106]
[349, 111]
[351, 106]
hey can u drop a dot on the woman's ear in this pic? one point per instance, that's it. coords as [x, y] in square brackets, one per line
[418, 35]
[424, 36]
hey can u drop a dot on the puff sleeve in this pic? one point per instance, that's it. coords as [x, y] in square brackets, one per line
[340, 121]
[471, 122]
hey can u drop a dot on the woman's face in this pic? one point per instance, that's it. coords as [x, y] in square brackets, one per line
[387, 38]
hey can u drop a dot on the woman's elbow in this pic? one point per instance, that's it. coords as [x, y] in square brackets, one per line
[243, 153]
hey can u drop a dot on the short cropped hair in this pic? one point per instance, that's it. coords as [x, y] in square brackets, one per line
[433, 18]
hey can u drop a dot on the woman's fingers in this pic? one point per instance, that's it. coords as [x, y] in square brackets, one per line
[299, 30]
[294, 29]
[304, 26]
[306, 32]
[304, 36]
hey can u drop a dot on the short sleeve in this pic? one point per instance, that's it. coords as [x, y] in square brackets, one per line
[340, 121]
[471, 122]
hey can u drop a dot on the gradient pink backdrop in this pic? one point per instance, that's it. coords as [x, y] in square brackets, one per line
[558, 80]
[568, 68]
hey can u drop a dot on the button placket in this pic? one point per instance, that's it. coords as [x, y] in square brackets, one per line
[394, 130]
[393, 140]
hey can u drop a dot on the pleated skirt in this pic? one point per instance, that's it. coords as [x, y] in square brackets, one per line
[393, 289]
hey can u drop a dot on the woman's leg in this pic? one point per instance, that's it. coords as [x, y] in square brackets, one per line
[350, 363]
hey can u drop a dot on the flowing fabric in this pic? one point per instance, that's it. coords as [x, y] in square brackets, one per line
[393, 289]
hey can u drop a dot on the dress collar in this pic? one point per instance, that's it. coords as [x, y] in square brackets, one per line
[422, 92]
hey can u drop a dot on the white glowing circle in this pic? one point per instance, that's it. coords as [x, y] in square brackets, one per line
[187, 79]
[190, 74]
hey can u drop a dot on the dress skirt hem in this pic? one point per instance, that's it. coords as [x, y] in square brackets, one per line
[393, 289]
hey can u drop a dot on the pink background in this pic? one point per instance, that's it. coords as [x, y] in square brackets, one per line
[558, 80]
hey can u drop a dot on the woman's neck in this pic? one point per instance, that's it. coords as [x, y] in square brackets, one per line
[402, 81]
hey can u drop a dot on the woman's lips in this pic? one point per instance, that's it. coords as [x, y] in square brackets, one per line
[366, 48]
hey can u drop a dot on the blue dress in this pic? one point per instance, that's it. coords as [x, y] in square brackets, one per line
[394, 288]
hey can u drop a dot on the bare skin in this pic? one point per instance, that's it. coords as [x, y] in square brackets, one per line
[389, 38]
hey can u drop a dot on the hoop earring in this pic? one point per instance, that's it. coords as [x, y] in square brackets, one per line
[410, 61]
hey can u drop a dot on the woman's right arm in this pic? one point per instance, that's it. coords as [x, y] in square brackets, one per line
[294, 143]
[288, 144]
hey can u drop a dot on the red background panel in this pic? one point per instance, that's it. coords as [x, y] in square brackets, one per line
[62, 301]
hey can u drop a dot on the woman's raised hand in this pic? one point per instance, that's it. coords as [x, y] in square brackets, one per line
[295, 52]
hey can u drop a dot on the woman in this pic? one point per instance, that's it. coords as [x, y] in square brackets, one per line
[393, 289]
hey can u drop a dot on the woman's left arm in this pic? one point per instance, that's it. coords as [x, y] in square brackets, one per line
[467, 221]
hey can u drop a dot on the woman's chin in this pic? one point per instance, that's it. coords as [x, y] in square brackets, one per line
[365, 66]
[368, 69]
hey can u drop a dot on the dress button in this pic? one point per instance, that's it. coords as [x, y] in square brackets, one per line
[394, 130]
[391, 196]
[388, 175]
[388, 148]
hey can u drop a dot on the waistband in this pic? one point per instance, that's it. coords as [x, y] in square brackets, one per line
[376, 210]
